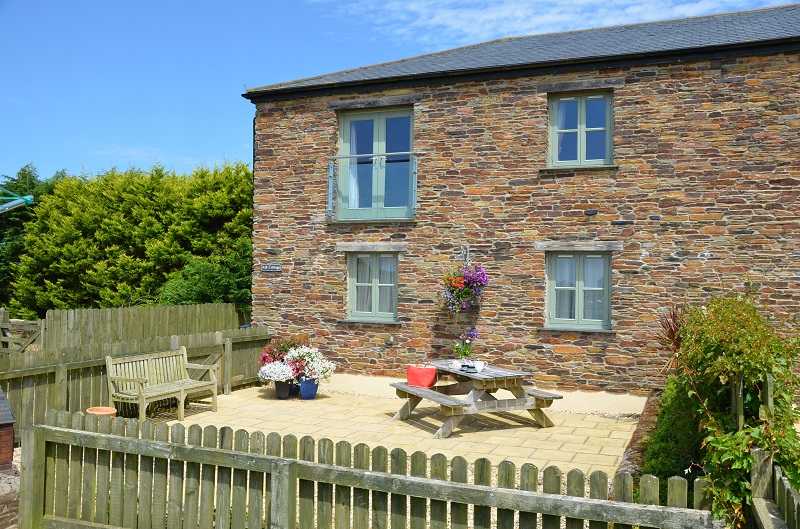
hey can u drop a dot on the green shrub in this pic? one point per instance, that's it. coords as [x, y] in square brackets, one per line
[674, 447]
[720, 344]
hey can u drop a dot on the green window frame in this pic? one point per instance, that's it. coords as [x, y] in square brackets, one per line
[373, 183]
[581, 130]
[372, 291]
[579, 290]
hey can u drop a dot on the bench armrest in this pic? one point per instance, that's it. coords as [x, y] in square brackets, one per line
[137, 380]
[202, 366]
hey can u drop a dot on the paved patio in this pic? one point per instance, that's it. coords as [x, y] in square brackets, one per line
[591, 429]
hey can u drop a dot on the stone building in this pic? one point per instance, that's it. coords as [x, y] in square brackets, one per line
[599, 176]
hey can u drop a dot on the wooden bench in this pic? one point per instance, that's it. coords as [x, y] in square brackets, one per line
[405, 391]
[542, 395]
[147, 378]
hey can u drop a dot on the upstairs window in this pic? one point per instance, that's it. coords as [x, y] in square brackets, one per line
[581, 131]
[376, 177]
[579, 290]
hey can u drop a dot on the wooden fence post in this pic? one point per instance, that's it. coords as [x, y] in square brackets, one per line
[3, 320]
[737, 401]
[31, 494]
[283, 509]
[58, 390]
[767, 393]
[761, 474]
[227, 365]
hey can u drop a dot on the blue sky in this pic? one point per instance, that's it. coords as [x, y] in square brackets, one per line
[89, 85]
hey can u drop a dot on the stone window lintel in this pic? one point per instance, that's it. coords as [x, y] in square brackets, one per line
[388, 101]
[578, 246]
[372, 247]
[579, 86]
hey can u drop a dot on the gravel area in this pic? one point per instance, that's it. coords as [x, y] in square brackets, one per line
[10, 482]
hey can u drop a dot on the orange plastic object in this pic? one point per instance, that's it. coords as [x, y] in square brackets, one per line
[421, 375]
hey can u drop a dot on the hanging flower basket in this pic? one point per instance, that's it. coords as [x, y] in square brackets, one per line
[463, 287]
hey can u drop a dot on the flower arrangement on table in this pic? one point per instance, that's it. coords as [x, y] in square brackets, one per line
[464, 346]
[463, 287]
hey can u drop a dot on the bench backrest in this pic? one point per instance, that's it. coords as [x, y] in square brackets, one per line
[157, 368]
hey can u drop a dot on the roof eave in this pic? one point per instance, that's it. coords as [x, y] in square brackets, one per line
[561, 66]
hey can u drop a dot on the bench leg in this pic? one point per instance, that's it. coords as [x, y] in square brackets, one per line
[448, 426]
[407, 408]
[214, 399]
[142, 411]
[540, 417]
[181, 404]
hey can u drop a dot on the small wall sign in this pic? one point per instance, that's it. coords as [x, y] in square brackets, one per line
[271, 268]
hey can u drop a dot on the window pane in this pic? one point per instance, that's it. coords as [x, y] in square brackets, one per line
[565, 272]
[360, 190]
[567, 115]
[594, 305]
[386, 299]
[567, 146]
[364, 299]
[594, 272]
[362, 134]
[398, 182]
[596, 145]
[595, 113]
[388, 270]
[360, 182]
[363, 270]
[398, 134]
[565, 304]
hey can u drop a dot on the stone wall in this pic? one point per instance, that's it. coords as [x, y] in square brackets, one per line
[703, 198]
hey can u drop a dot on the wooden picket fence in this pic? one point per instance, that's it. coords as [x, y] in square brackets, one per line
[81, 471]
[35, 380]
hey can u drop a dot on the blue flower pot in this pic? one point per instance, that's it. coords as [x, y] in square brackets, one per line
[294, 388]
[308, 388]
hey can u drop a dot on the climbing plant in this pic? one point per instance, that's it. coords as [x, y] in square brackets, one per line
[728, 344]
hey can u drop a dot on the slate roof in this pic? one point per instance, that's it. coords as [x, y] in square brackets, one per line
[741, 29]
[6, 415]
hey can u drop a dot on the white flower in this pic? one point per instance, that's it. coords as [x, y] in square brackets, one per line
[316, 365]
[275, 371]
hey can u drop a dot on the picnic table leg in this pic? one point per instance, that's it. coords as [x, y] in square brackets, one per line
[537, 413]
[448, 426]
[407, 408]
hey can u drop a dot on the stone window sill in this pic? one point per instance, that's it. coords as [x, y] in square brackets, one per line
[375, 322]
[575, 329]
[556, 171]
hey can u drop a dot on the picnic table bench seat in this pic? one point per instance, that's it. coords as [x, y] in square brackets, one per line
[540, 394]
[147, 378]
[404, 390]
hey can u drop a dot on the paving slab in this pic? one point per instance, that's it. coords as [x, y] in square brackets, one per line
[359, 409]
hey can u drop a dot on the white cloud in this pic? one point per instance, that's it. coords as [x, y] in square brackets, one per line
[443, 24]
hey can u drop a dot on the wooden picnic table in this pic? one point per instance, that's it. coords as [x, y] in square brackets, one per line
[479, 389]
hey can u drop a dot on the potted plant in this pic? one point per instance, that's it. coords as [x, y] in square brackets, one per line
[275, 351]
[309, 366]
[281, 374]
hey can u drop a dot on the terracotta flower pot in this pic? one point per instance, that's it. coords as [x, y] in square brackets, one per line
[102, 410]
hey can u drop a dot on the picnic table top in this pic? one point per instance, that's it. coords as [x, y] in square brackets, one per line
[489, 371]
